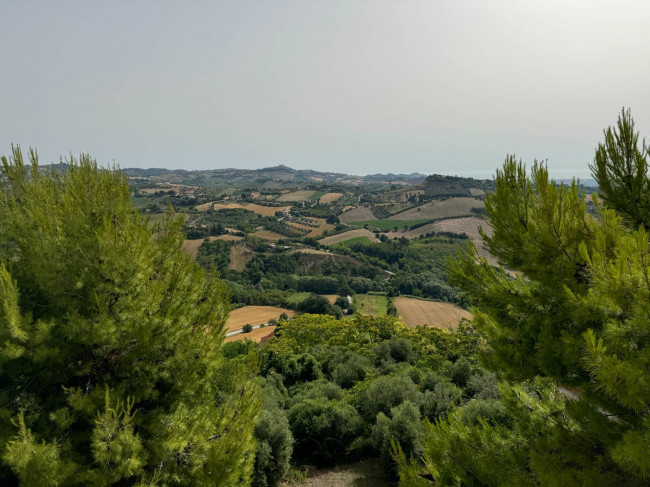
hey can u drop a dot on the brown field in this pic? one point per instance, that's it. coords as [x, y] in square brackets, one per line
[239, 257]
[227, 237]
[331, 297]
[265, 210]
[342, 237]
[296, 196]
[314, 231]
[254, 315]
[203, 207]
[414, 312]
[324, 227]
[256, 335]
[330, 197]
[360, 213]
[440, 209]
[265, 234]
[476, 192]
[192, 246]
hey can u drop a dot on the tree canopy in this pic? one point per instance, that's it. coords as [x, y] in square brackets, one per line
[110, 342]
[568, 334]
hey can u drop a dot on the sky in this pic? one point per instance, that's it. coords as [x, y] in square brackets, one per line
[358, 87]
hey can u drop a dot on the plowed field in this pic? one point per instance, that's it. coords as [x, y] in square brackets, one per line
[414, 312]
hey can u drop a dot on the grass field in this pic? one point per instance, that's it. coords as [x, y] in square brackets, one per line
[357, 214]
[390, 224]
[239, 257]
[296, 298]
[256, 335]
[330, 197]
[254, 315]
[350, 235]
[414, 312]
[370, 304]
[440, 209]
[296, 196]
[357, 240]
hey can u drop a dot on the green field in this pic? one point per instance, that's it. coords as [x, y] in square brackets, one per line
[389, 224]
[370, 304]
[296, 298]
[356, 240]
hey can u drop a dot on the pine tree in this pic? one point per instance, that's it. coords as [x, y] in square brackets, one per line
[110, 342]
[568, 333]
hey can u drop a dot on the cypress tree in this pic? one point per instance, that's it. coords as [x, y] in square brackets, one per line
[110, 342]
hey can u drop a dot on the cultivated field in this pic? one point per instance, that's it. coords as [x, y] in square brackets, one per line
[330, 197]
[296, 196]
[476, 192]
[192, 246]
[357, 214]
[313, 231]
[440, 209]
[414, 312]
[239, 257]
[267, 235]
[342, 237]
[468, 226]
[256, 335]
[259, 209]
[176, 188]
[254, 315]
[203, 207]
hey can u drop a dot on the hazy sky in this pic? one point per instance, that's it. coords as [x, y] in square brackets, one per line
[349, 86]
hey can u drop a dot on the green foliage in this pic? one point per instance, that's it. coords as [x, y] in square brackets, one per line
[315, 304]
[621, 171]
[404, 426]
[275, 444]
[110, 355]
[366, 367]
[323, 429]
[575, 316]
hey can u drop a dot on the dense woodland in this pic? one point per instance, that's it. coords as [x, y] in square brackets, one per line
[114, 370]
